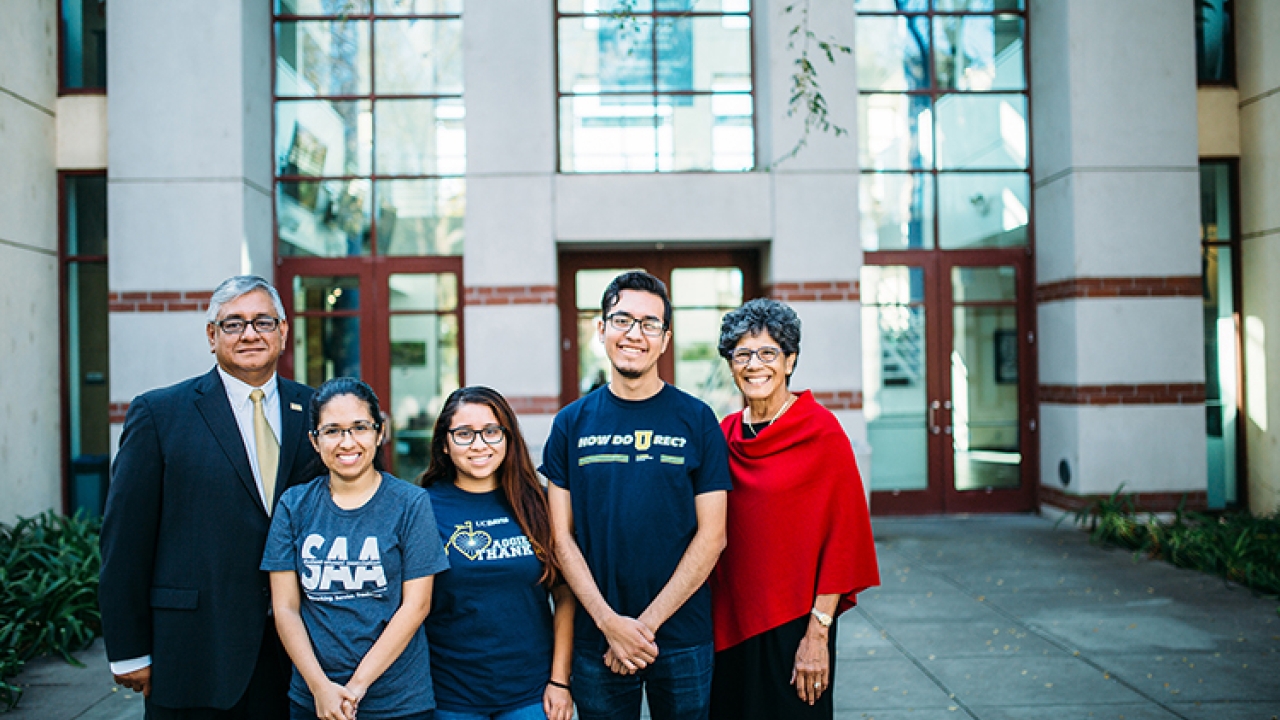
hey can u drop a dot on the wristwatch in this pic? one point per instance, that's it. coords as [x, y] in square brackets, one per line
[823, 619]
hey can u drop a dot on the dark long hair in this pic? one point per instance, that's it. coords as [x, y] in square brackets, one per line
[516, 476]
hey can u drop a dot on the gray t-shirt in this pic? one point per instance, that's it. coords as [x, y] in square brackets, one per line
[350, 565]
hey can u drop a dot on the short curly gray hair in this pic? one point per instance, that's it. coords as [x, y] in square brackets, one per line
[762, 314]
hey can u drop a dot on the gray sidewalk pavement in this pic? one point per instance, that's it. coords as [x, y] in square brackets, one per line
[994, 618]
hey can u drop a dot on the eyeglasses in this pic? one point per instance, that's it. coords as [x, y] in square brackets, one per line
[767, 354]
[465, 436]
[358, 431]
[236, 326]
[623, 322]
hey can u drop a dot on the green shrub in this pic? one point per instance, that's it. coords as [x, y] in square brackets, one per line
[48, 592]
[1234, 545]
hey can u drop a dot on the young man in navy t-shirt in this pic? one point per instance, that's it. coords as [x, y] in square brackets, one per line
[638, 472]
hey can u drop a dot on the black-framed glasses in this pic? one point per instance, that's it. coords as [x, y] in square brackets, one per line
[360, 431]
[767, 354]
[236, 326]
[623, 322]
[490, 434]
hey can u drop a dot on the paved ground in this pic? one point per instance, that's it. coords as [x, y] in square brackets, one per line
[995, 618]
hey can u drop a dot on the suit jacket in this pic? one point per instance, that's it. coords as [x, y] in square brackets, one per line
[182, 539]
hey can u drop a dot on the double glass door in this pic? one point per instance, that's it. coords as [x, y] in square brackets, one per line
[947, 378]
[394, 323]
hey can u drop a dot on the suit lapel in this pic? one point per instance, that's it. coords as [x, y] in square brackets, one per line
[293, 421]
[211, 401]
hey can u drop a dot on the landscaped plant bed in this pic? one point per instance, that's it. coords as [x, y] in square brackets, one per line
[48, 592]
[1234, 545]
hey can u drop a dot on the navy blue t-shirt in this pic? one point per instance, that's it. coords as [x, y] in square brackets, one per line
[633, 469]
[351, 564]
[490, 627]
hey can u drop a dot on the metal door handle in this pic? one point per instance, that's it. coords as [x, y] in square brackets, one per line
[933, 423]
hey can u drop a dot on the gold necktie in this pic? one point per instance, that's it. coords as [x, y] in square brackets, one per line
[268, 448]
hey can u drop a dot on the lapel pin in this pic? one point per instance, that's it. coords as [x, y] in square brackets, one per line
[295, 407]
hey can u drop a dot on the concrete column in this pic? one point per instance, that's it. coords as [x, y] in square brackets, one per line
[30, 446]
[1117, 249]
[189, 115]
[1258, 58]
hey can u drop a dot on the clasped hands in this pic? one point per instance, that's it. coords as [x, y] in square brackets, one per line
[631, 645]
[337, 702]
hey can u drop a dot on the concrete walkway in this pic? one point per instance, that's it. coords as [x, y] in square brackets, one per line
[996, 618]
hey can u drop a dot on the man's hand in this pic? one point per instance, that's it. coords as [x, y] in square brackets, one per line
[631, 644]
[139, 680]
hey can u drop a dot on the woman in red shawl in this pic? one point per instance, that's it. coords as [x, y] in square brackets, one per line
[799, 537]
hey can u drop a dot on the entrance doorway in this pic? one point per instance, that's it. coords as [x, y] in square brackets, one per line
[948, 377]
[394, 323]
[703, 285]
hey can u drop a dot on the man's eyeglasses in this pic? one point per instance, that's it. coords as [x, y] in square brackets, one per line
[465, 436]
[236, 326]
[358, 431]
[767, 354]
[623, 322]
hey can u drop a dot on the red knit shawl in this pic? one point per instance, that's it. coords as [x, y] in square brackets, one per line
[798, 525]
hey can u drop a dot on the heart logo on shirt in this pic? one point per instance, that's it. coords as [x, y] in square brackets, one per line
[470, 543]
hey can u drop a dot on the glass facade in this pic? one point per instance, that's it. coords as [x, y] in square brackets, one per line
[647, 86]
[370, 135]
[942, 119]
[1215, 42]
[1219, 244]
[83, 44]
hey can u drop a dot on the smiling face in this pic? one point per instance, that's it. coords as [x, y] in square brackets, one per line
[762, 381]
[477, 464]
[250, 356]
[348, 455]
[632, 353]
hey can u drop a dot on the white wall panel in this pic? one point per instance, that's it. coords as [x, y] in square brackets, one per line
[509, 229]
[514, 349]
[830, 346]
[816, 221]
[154, 350]
[663, 207]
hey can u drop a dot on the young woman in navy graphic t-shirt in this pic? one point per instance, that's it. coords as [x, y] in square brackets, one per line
[490, 618]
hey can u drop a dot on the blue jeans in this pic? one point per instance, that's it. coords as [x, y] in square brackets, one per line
[528, 712]
[678, 685]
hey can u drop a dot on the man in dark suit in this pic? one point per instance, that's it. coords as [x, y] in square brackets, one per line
[200, 466]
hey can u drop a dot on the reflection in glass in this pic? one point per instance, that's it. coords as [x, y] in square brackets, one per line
[330, 218]
[326, 294]
[604, 6]
[897, 211]
[1215, 42]
[86, 356]
[605, 54]
[984, 390]
[417, 7]
[1215, 202]
[84, 218]
[979, 53]
[894, 376]
[608, 134]
[421, 137]
[324, 348]
[695, 53]
[977, 5]
[419, 57]
[424, 370]
[892, 53]
[983, 284]
[421, 217]
[423, 291]
[982, 132]
[895, 132]
[84, 43]
[890, 5]
[700, 298]
[322, 57]
[983, 209]
[692, 137]
[1220, 365]
[321, 7]
[317, 138]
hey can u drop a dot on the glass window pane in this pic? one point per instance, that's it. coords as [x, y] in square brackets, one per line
[983, 284]
[424, 370]
[419, 57]
[603, 54]
[728, 6]
[895, 132]
[897, 211]
[891, 285]
[423, 291]
[979, 53]
[604, 6]
[891, 5]
[1215, 202]
[85, 214]
[84, 43]
[321, 7]
[589, 287]
[700, 371]
[608, 134]
[421, 137]
[325, 348]
[706, 288]
[87, 352]
[1221, 393]
[1215, 42]
[701, 53]
[322, 57]
[893, 53]
[983, 209]
[316, 138]
[418, 7]
[979, 132]
[421, 217]
[324, 219]
[691, 137]
[325, 293]
[984, 391]
[977, 5]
